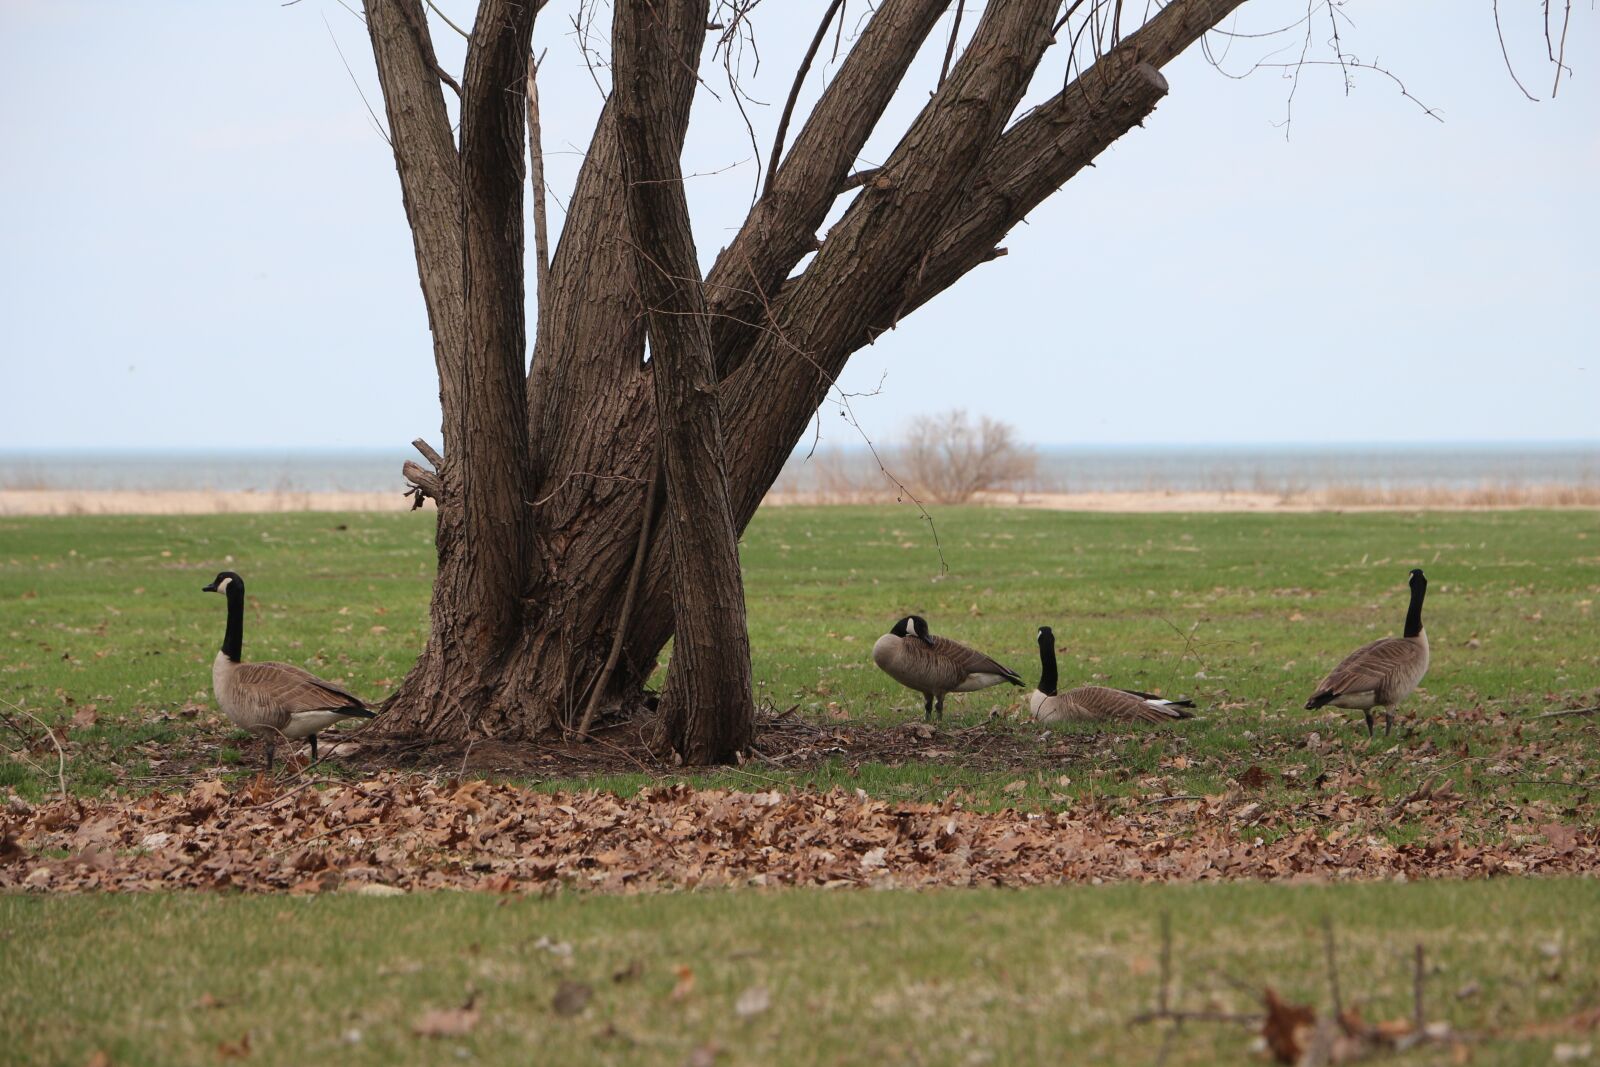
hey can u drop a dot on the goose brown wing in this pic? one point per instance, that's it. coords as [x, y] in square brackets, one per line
[291, 689]
[1365, 669]
[1111, 705]
[971, 661]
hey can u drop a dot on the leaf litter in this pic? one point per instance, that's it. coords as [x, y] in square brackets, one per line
[407, 832]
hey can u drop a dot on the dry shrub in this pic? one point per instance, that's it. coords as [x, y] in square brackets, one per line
[948, 458]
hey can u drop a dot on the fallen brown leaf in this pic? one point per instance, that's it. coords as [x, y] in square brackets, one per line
[571, 998]
[1287, 1027]
[448, 1022]
[235, 1050]
[685, 983]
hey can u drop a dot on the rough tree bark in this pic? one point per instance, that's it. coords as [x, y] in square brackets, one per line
[546, 472]
[707, 704]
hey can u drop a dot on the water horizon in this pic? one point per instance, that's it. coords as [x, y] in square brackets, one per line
[1276, 468]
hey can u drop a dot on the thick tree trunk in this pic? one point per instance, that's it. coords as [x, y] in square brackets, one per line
[707, 704]
[546, 473]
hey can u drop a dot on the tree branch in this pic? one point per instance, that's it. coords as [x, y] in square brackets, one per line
[794, 91]
[541, 236]
[429, 168]
[782, 228]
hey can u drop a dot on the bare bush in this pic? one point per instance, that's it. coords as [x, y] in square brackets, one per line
[948, 458]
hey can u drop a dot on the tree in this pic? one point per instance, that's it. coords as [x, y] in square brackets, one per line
[556, 589]
[949, 459]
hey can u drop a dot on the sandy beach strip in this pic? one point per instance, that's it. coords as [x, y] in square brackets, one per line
[18, 502]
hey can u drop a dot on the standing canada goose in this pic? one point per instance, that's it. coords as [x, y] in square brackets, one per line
[1383, 673]
[1095, 703]
[272, 700]
[934, 666]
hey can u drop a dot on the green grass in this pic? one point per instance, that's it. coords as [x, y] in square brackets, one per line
[953, 977]
[1242, 612]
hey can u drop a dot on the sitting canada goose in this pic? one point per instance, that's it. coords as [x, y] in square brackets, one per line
[1095, 703]
[272, 700]
[1383, 673]
[934, 666]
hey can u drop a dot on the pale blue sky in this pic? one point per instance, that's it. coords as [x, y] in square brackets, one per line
[204, 244]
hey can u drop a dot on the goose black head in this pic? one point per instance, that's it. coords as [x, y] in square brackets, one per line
[1047, 636]
[1417, 579]
[226, 582]
[913, 626]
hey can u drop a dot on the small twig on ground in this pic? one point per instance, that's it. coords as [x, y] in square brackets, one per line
[61, 753]
[1421, 792]
[1333, 967]
[1163, 998]
[1571, 711]
[1418, 1023]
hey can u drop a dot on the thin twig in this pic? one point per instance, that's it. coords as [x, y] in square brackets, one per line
[1507, 55]
[950, 48]
[794, 93]
[641, 550]
[1163, 998]
[446, 19]
[1417, 974]
[1571, 711]
[61, 753]
[1333, 967]
[541, 236]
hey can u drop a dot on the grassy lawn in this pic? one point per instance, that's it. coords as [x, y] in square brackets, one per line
[1242, 612]
[796, 977]
[104, 631]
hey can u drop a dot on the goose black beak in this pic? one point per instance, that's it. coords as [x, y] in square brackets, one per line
[212, 588]
[925, 639]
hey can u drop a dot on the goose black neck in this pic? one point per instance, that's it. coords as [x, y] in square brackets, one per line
[1414, 613]
[233, 636]
[1047, 665]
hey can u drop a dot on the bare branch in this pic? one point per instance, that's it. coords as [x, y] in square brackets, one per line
[541, 235]
[652, 491]
[794, 91]
[1507, 55]
[950, 47]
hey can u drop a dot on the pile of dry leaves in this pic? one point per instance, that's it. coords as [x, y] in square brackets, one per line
[404, 831]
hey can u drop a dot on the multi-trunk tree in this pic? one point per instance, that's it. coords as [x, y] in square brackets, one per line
[590, 498]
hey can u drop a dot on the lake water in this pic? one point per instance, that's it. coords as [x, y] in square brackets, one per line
[1280, 469]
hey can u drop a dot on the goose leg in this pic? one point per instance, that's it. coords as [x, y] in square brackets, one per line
[1368, 714]
[313, 748]
[271, 745]
[939, 707]
[927, 707]
[1388, 721]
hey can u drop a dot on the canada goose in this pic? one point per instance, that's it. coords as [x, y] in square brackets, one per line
[1383, 673]
[272, 700]
[934, 666]
[1095, 703]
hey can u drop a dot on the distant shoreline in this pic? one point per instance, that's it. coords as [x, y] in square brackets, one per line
[45, 502]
